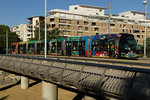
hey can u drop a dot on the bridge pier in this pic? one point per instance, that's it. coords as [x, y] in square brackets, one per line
[49, 91]
[24, 82]
[89, 98]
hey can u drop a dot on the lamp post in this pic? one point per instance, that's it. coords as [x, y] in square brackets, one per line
[7, 42]
[49, 91]
[109, 20]
[145, 3]
[45, 29]
[39, 29]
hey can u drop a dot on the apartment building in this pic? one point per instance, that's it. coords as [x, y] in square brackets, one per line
[83, 20]
[34, 22]
[23, 31]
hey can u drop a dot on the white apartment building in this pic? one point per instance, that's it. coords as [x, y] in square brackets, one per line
[23, 31]
[83, 20]
[34, 22]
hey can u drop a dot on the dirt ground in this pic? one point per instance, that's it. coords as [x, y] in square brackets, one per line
[14, 92]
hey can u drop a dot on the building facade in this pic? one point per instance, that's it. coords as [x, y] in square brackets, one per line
[34, 22]
[84, 20]
[23, 31]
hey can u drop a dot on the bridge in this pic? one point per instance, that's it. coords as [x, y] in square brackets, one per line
[95, 80]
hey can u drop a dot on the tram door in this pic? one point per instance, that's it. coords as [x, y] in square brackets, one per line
[68, 48]
[112, 48]
[82, 48]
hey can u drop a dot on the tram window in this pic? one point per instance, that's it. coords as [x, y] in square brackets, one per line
[68, 44]
[103, 45]
[58, 45]
[13, 47]
[53, 46]
[75, 46]
[95, 45]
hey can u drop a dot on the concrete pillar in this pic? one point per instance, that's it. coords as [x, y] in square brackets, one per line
[24, 82]
[49, 91]
[89, 98]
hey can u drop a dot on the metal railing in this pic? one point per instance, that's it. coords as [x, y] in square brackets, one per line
[98, 80]
[126, 62]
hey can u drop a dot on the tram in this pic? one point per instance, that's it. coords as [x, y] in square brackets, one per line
[122, 45]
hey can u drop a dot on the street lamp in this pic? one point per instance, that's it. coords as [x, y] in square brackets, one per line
[145, 3]
[45, 29]
[109, 20]
[39, 28]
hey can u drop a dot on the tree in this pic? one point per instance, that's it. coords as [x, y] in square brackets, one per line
[12, 37]
[42, 31]
[54, 33]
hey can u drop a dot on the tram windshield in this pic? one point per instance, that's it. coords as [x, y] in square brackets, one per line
[129, 43]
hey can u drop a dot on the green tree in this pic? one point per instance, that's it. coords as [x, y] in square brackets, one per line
[54, 33]
[12, 37]
[147, 47]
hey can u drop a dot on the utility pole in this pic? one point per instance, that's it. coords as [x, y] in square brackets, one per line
[45, 29]
[109, 30]
[109, 20]
[145, 2]
[7, 42]
[39, 29]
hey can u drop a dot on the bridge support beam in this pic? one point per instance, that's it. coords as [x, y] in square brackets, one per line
[49, 91]
[89, 98]
[24, 82]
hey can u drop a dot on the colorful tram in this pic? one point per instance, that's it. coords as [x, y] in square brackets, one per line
[122, 45]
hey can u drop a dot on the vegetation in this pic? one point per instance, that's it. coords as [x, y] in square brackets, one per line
[12, 37]
[54, 33]
[147, 48]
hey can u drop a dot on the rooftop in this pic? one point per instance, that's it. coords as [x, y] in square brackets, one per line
[88, 6]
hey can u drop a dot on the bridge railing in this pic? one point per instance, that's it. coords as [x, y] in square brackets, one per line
[91, 78]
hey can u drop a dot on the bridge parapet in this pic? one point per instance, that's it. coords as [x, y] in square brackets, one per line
[97, 80]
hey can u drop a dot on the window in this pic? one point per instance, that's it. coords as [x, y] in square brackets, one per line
[29, 30]
[78, 22]
[95, 45]
[103, 45]
[136, 31]
[53, 25]
[28, 34]
[86, 28]
[112, 24]
[52, 19]
[93, 23]
[75, 8]
[37, 21]
[124, 26]
[96, 29]
[80, 28]
[123, 30]
[75, 46]
[62, 21]
[138, 36]
[86, 23]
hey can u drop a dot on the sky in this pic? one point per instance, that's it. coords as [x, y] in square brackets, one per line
[15, 12]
